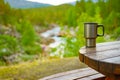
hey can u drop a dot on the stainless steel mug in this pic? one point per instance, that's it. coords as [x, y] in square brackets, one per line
[90, 33]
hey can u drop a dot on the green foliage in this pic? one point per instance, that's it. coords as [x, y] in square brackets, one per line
[32, 49]
[71, 17]
[104, 12]
[90, 8]
[116, 32]
[111, 22]
[8, 45]
[47, 15]
[8, 15]
[103, 8]
[2, 63]
[73, 44]
[28, 37]
[27, 57]
[72, 47]
[28, 33]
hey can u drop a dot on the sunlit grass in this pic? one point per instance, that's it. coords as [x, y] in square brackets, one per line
[38, 69]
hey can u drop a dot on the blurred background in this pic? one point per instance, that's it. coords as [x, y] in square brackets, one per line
[38, 39]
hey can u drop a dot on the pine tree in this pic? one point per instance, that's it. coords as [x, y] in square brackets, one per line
[90, 8]
[80, 7]
[5, 12]
[102, 5]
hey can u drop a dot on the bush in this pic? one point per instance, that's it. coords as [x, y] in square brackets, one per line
[27, 32]
[28, 37]
[27, 57]
[8, 45]
[116, 32]
[35, 49]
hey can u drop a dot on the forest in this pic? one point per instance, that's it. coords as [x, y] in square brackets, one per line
[20, 29]
[18, 34]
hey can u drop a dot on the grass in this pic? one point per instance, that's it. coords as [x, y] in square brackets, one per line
[38, 69]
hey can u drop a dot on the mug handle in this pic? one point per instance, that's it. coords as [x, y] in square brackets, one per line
[102, 29]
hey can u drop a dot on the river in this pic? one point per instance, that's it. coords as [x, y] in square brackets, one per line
[53, 33]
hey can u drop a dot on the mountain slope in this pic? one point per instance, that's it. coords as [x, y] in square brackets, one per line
[25, 4]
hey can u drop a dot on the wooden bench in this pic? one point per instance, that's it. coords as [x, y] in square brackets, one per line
[79, 74]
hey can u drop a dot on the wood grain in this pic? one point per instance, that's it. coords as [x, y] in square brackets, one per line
[79, 74]
[105, 58]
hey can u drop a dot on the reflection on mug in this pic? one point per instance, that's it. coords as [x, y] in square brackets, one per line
[90, 33]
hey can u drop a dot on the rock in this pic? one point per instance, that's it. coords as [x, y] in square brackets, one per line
[118, 39]
[61, 34]
[107, 37]
[47, 41]
[12, 58]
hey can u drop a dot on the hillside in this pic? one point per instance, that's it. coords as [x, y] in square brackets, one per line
[47, 15]
[25, 4]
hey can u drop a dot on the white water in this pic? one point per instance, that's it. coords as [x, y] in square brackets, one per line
[53, 33]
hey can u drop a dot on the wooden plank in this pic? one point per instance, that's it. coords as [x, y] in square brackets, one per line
[115, 63]
[116, 69]
[113, 60]
[105, 68]
[91, 63]
[72, 75]
[100, 47]
[92, 77]
[96, 76]
[104, 54]
[107, 43]
[76, 75]
[107, 47]
[65, 73]
[81, 57]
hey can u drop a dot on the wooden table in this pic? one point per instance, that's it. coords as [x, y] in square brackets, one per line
[105, 58]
